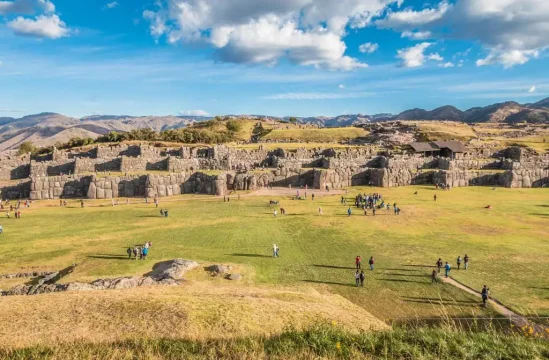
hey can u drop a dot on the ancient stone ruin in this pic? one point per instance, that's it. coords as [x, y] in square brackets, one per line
[217, 170]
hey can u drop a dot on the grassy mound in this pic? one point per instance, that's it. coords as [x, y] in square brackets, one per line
[316, 135]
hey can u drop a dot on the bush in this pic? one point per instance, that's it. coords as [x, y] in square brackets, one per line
[27, 147]
[234, 125]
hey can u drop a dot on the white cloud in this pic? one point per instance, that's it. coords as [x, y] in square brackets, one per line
[368, 48]
[318, 96]
[413, 56]
[112, 5]
[435, 57]
[512, 31]
[194, 113]
[42, 26]
[341, 86]
[532, 89]
[447, 65]
[417, 35]
[26, 7]
[306, 32]
[409, 18]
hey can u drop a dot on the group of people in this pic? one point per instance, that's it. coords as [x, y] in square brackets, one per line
[164, 212]
[359, 274]
[447, 267]
[139, 251]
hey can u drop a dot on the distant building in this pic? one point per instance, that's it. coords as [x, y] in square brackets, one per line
[449, 149]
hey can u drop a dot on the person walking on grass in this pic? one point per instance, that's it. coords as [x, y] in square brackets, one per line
[275, 213]
[275, 250]
[439, 264]
[435, 197]
[371, 263]
[447, 269]
[434, 277]
[319, 210]
[135, 252]
[458, 262]
[466, 261]
[485, 293]
[145, 252]
[129, 252]
[358, 262]
[1, 229]
[357, 278]
[362, 278]
[349, 211]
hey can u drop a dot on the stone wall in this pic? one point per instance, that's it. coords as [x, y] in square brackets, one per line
[51, 168]
[15, 191]
[526, 178]
[460, 178]
[55, 187]
[464, 164]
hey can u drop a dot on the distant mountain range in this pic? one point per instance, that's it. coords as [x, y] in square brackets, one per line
[48, 128]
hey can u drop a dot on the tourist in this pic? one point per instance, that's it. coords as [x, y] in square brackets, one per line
[374, 211]
[484, 293]
[135, 252]
[349, 211]
[275, 250]
[458, 262]
[447, 269]
[127, 201]
[166, 213]
[362, 277]
[161, 212]
[439, 264]
[65, 203]
[371, 262]
[145, 252]
[358, 262]
[466, 261]
[1, 229]
[434, 277]
[274, 213]
[313, 197]
[365, 210]
[129, 252]
[81, 203]
[319, 210]
[398, 211]
[435, 197]
[357, 278]
[282, 211]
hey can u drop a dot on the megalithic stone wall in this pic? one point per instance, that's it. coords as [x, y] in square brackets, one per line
[525, 178]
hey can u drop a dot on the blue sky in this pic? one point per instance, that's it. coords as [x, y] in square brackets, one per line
[291, 57]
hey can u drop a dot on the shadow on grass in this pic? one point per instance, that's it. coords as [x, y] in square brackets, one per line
[445, 303]
[328, 283]
[404, 281]
[411, 270]
[334, 267]
[251, 255]
[411, 275]
[109, 257]
[151, 216]
[535, 214]
[423, 266]
[437, 300]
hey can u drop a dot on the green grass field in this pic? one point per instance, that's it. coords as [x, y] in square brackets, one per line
[326, 135]
[507, 245]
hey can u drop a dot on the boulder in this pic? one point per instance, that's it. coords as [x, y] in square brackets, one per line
[172, 269]
[235, 277]
[219, 269]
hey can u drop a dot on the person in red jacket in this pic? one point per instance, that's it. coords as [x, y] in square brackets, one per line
[358, 262]
[371, 262]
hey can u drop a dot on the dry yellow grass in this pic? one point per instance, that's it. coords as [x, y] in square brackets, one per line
[194, 310]
[445, 130]
[317, 135]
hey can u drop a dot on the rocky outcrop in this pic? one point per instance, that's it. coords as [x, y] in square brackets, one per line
[164, 273]
[525, 178]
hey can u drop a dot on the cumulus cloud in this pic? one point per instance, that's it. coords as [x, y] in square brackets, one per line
[413, 56]
[26, 7]
[435, 57]
[306, 32]
[194, 113]
[112, 5]
[512, 31]
[368, 48]
[341, 86]
[42, 26]
[532, 89]
[447, 65]
[416, 35]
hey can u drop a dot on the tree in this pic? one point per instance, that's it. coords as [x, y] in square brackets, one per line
[27, 147]
[234, 125]
[293, 120]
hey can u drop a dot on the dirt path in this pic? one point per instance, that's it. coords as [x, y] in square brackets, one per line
[284, 191]
[518, 320]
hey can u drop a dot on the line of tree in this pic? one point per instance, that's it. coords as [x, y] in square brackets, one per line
[208, 132]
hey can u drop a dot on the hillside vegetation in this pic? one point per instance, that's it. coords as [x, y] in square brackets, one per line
[316, 135]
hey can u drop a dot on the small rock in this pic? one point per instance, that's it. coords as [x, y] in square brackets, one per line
[235, 277]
